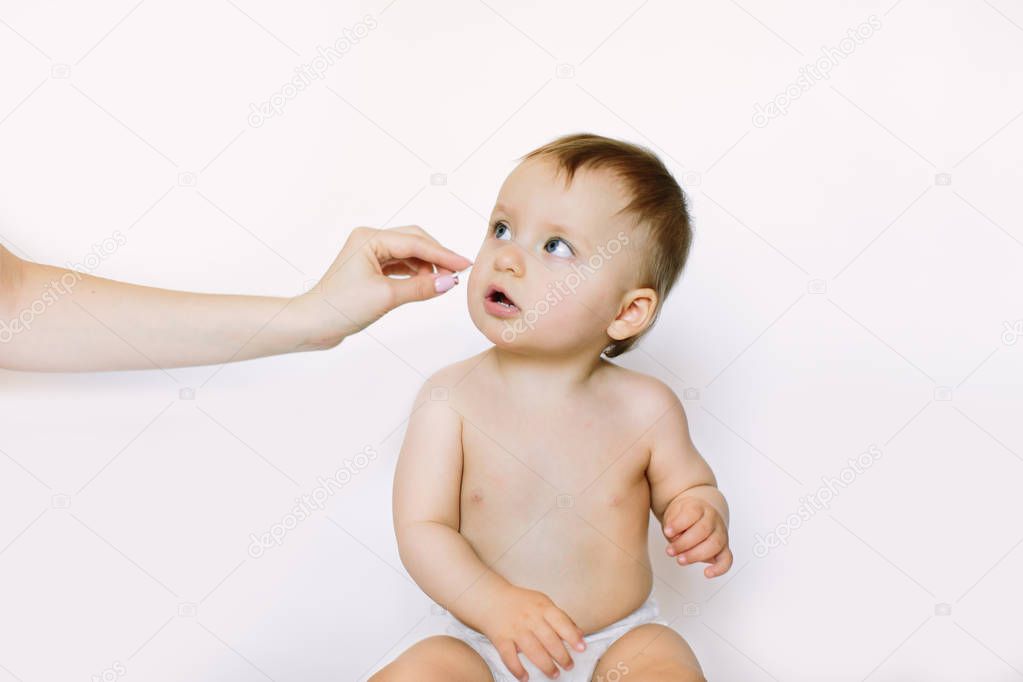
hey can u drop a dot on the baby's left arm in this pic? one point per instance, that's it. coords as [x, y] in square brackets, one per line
[684, 495]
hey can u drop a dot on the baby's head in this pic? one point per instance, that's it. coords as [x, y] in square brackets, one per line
[587, 237]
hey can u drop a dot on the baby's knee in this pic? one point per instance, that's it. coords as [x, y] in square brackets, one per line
[435, 659]
[669, 671]
[650, 653]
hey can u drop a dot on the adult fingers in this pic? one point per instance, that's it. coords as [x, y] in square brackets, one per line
[420, 287]
[408, 266]
[398, 243]
[399, 267]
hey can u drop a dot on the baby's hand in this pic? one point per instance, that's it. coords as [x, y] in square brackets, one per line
[528, 621]
[696, 532]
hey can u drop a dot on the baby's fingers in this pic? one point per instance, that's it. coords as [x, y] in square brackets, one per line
[720, 564]
[510, 658]
[681, 519]
[566, 629]
[535, 651]
[696, 534]
[704, 551]
[555, 647]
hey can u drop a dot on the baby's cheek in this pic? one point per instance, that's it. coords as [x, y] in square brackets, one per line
[586, 313]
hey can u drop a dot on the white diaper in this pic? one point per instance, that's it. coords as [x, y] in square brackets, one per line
[585, 661]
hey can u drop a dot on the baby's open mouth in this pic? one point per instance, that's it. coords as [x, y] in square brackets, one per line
[499, 303]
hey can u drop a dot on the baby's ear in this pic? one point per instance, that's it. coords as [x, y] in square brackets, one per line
[635, 314]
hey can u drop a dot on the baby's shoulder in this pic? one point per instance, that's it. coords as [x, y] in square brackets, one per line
[456, 379]
[642, 395]
[456, 372]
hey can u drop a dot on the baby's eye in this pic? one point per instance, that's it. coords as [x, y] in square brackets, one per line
[502, 231]
[558, 247]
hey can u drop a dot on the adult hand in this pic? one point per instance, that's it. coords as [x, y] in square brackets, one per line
[360, 285]
[57, 320]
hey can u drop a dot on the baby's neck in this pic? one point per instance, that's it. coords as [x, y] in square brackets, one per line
[553, 374]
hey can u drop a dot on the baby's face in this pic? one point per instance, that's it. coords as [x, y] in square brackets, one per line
[555, 262]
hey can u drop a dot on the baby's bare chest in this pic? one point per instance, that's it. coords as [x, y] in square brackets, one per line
[552, 483]
[524, 460]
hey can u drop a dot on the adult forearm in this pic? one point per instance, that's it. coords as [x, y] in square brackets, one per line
[53, 319]
[446, 567]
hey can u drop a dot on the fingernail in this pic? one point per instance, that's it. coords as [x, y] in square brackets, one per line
[671, 551]
[580, 646]
[445, 282]
[681, 559]
[669, 531]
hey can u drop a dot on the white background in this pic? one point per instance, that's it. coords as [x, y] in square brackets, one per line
[125, 510]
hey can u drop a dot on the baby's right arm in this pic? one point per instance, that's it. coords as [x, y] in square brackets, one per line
[427, 492]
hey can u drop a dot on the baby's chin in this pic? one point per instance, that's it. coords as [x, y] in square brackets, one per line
[517, 335]
[503, 333]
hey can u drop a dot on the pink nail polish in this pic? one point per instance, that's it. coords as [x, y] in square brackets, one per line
[445, 282]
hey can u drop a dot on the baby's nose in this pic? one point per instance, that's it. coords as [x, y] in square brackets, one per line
[510, 259]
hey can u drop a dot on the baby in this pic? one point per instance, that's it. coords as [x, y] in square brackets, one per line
[528, 472]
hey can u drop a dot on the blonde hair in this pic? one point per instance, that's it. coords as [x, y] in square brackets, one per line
[657, 202]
